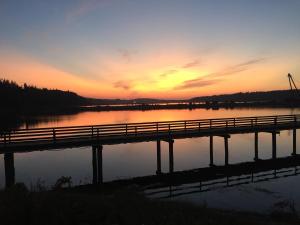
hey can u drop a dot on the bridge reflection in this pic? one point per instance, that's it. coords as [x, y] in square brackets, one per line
[252, 173]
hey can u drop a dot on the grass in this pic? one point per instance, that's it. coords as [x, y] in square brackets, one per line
[18, 205]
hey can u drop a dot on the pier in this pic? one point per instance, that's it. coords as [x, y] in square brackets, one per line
[97, 136]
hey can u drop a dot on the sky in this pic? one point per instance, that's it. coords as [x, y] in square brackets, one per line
[167, 49]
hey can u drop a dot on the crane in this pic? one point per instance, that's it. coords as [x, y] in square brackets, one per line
[292, 84]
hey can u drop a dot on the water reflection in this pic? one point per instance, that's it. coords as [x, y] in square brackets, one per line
[93, 118]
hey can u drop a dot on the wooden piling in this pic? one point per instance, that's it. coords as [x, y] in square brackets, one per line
[94, 162]
[171, 156]
[158, 154]
[9, 169]
[226, 151]
[255, 146]
[211, 150]
[274, 151]
[294, 142]
[100, 164]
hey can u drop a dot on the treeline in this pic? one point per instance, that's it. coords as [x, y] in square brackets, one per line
[27, 98]
[268, 96]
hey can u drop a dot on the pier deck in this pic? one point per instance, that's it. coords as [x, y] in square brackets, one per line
[110, 134]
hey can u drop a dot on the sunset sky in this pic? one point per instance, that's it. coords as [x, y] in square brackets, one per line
[150, 48]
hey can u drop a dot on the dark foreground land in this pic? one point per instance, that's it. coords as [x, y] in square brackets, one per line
[71, 206]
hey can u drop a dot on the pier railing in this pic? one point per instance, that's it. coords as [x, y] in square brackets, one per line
[96, 132]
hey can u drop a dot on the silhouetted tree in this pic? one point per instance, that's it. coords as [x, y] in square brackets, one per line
[29, 98]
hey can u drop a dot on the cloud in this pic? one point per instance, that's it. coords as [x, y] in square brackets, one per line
[126, 85]
[167, 73]
[196, 83]
[226, 72]
[82, 8]
[191, 64]
[235, 68]
[210, 79]
[251, 62]
[126, 54]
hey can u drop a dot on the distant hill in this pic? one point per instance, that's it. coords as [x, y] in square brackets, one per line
[260, 96]
[93, 101]
[25, 98]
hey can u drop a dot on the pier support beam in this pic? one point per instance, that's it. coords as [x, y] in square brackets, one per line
[255, 146]
[171, 156]
[226, 151]
[294, 142]
[97, 164]
[158, 153]
[274, 151]
[100, 165]
[9, 168]
[94, 161]
[211, 150]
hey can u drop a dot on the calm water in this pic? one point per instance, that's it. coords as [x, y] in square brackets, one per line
[129, 160]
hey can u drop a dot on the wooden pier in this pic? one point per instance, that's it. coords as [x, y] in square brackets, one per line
[23, 140]
[111, 134]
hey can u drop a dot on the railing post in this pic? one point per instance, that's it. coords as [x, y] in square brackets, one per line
[184, 126]
[126, 129]
[275, 121]
[169, 129]
[233, 122]
[226, 124]
[295, 120]
[210, 123]
[251, 122]
[92, 131]
[199, 126]
[157, 128]
[135, 130]
[255, 121]
[97, 132]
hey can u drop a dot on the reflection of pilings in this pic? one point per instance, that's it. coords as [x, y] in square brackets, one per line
[211, 150]
[226, 150]
[171, 156]
[97, 164]
[294, 142]
[274, 153]
[255, 146]
[158, 151]
[9, 169]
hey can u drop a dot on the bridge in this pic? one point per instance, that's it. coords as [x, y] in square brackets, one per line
[110, 134]
[22, 140]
